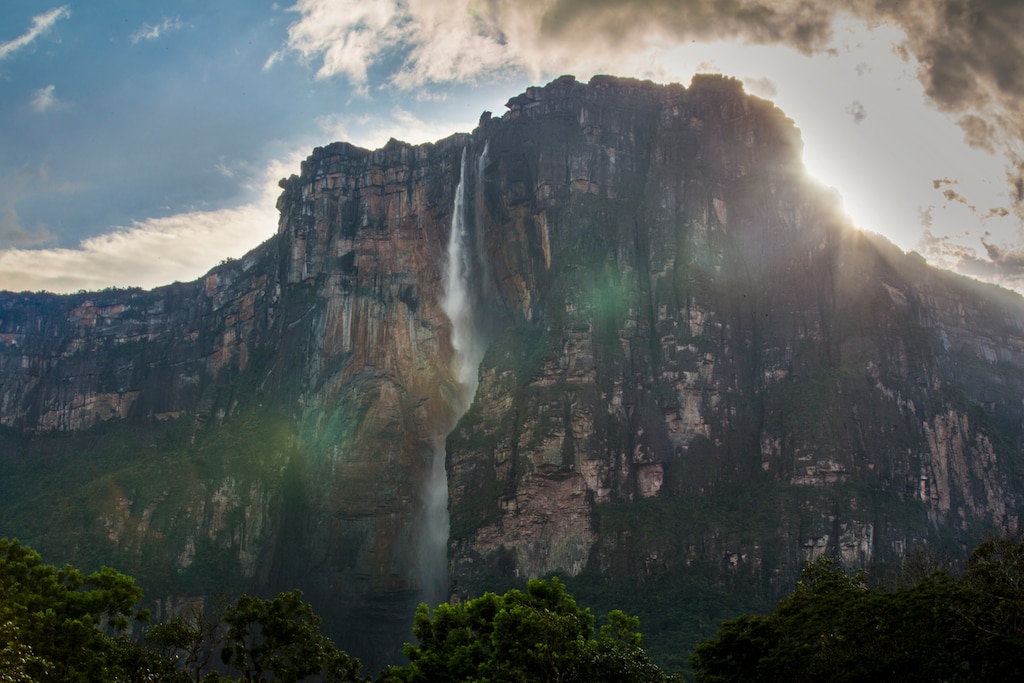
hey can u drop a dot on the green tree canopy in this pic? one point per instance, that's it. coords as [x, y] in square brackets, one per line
[190, 638]
[63, 625]
[834, 627]
[59, 624]
[537, 635]
[280, 640]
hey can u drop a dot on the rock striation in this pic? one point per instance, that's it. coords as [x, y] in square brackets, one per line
[694, 364]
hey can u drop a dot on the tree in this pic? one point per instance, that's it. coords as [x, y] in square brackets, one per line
[17, 659]
[618, 655]
[995, 611]
[280, 640]
[537, 635]
[190, 638]
[63, 625]
[833, 627]
[60, 623]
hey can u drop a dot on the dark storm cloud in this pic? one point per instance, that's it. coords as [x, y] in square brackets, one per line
[978, 132]
[803, 25]
[970, 52]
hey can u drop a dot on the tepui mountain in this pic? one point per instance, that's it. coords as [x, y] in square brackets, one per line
[615, 334]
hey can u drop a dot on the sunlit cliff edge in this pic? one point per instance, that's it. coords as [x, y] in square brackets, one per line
[695, 367]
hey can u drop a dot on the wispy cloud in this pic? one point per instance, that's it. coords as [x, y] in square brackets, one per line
[857, 111]
[440, 41]
[969, 51]
[44, 99]
[151, 252]
[154, 31]
[224, 168]
[372, 132]
[156, 251]
[462, 40]
[40, 25]
[13, 232]
[16, 186]
[347, 36]
[1002, 264]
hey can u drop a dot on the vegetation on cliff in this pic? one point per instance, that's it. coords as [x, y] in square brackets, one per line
[834, 627]
[62, 625]
[701, 377]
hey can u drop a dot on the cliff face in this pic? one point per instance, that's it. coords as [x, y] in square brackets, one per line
[289, 404]
[718, 368]
[692, 362]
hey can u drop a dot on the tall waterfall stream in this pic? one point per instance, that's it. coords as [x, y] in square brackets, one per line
[465, 266]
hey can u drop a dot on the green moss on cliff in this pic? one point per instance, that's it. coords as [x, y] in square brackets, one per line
[146, 497]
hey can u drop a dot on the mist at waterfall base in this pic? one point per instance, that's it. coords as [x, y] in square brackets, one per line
[465, 274]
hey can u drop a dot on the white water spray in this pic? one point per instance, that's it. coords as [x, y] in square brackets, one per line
[481, 253]
[458, 301]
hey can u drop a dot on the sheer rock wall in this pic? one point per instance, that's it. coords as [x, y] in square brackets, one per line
[693, 358]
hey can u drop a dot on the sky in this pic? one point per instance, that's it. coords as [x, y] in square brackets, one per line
[142, 143]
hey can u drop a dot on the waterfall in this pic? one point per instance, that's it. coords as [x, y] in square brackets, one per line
[481, 254]
[459, 302]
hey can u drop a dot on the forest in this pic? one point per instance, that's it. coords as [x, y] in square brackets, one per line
[60, 624]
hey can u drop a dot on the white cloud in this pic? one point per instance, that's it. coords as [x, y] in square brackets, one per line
[463, 40]
[44, 99]
[182, 247]
[152, 252]
[224, 168]
[346, 35]
[372, 132]
[828, 66]
[40, 25]
[273, 59]
[152, 32]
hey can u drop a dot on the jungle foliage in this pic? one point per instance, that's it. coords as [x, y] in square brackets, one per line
[59, 624]
[834, 627]
[537, 635]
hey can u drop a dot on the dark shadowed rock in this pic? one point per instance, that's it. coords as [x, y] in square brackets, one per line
[694, 361]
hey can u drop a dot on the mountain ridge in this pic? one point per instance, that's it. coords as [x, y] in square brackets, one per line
[693, 362]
